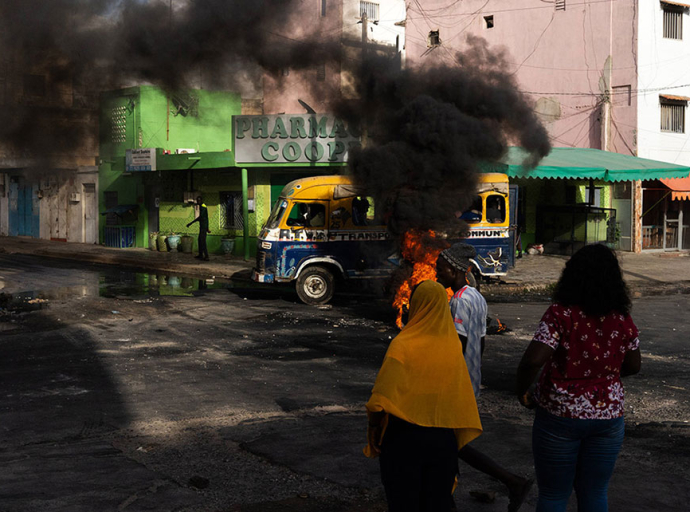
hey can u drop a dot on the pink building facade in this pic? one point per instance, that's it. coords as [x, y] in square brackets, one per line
[605, 75]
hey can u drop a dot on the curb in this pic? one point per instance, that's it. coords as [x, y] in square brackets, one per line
[233, 270]
[543, 291]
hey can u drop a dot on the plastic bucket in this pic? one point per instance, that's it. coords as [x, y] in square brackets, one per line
[227, 245]
[173, 242]
[187, 243]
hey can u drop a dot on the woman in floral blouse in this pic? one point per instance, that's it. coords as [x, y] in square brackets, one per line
[586, 342]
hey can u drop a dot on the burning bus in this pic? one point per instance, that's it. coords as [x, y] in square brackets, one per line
[325, 228]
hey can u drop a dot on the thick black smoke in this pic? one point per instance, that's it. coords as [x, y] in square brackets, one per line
[110, 41]
[426, 130]
[98, 45]
[429, 130]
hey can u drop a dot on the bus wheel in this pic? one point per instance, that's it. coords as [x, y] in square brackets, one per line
[315, 285]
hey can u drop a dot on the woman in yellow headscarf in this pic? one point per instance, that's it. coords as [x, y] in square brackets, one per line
[422, 408]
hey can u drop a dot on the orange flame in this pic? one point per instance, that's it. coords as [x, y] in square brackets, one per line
[501, 326]
[423, 259]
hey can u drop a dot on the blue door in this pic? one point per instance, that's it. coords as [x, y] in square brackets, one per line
[24, 209]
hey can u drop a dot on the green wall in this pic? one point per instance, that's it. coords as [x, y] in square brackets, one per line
[145, 117]
[142, 117]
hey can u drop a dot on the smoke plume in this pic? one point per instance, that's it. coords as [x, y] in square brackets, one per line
[428, 131]
[98, 45]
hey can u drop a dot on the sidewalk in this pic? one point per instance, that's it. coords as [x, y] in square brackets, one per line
[656, 273]
[220, 266]
[533, 276]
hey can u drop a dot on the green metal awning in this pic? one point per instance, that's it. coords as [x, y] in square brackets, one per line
[582, 163]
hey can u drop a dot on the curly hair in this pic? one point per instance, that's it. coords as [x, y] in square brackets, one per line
[592, 280]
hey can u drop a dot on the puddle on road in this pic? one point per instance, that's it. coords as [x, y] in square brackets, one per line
[111, 285]
[131, 284]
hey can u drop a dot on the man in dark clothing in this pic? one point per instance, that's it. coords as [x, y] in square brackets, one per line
[202, 219]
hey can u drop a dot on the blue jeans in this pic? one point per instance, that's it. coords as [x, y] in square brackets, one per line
[574, 453]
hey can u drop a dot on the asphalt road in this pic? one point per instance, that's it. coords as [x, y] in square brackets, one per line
[125, 391]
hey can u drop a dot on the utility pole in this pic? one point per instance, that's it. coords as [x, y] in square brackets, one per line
[365, 35]
[606, 105]
[365, 42]
[608, 92]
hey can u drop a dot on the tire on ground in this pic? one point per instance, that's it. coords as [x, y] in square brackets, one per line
[315, 285]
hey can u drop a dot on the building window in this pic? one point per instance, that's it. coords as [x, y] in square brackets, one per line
[118, 124]
[622, 95]
[673, 22]
[321, 73]
[433, 39]
[231, 210]
[673, 116]
[489, 21]
[560, 5]
[322, 8]
[371, 9]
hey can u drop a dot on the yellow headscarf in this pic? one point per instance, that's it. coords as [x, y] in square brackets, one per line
[423, 378]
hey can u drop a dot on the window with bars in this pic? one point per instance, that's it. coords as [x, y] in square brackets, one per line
[673, 116]
[560, 5]
[118, 124]
[231, 210]
[371, 9]
[673, 22]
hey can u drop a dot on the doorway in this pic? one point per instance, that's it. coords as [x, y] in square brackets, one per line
[665, 222]
[153, 194]
[24, 219]
[622, 203]
[90, 205]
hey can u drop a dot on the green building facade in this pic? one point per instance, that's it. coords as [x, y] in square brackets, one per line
[159, 151]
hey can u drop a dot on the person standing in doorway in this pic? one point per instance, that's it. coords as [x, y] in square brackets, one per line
[469, 310]
[202, 219]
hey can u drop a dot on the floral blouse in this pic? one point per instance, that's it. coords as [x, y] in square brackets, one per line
[582, 378]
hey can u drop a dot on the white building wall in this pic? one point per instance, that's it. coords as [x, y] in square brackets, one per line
[663, 68]
[382, 31]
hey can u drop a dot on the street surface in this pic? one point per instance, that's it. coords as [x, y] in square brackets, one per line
[126, 391]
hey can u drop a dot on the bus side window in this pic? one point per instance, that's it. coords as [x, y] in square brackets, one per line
[295, 217]
[495, 209]
[474, 214]
[317, 215]
[307, 215]
[360, 211]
